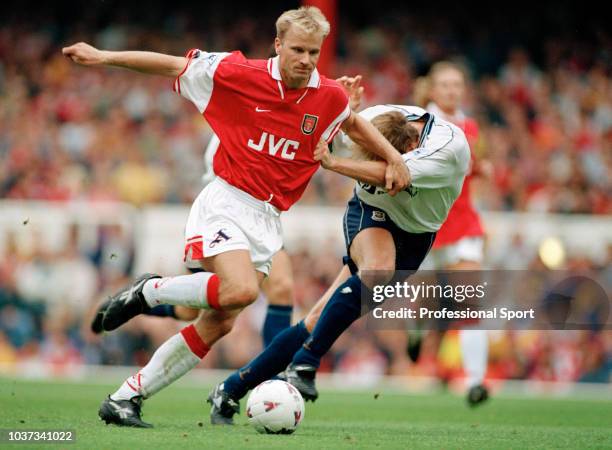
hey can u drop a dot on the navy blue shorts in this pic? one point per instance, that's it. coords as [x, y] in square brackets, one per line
[410, 248]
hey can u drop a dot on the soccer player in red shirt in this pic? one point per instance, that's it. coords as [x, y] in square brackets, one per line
[269, 115]
[460, 241]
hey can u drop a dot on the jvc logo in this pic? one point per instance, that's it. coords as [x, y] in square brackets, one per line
[274, 145]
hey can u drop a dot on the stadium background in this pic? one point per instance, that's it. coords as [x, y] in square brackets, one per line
[97, 168]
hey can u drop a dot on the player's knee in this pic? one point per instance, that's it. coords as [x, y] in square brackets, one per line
[240, 295]
[280, 291]
[377, 271]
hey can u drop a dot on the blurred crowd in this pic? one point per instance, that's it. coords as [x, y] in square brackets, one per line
[45, 317]
[69, 133]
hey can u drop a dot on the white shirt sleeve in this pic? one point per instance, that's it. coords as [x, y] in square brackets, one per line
[341, 143]
[432, 170]
[195, 83]
[443, 160]
[334, 127]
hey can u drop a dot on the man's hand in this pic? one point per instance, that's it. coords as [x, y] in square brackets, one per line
[323, 155]
[84, 54]
[354, 90]
[397, 176]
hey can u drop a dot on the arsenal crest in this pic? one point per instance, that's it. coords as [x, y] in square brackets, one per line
[309, 123]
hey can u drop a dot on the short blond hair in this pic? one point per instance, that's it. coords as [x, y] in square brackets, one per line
[309, 18]
[396, 129]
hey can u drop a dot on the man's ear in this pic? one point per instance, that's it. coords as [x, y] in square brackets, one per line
[410, 146]
[277, 45]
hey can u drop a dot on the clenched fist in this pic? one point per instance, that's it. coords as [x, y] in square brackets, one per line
[84, 54]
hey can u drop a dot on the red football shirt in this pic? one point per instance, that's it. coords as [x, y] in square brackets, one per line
[463, 219]
[268, 132]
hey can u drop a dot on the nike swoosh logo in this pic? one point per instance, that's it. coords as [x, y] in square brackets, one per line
[258, 109]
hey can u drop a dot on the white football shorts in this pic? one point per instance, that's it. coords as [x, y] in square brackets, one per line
[224, 218]
[469, 248]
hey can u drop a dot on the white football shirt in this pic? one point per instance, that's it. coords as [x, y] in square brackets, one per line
[437, 169]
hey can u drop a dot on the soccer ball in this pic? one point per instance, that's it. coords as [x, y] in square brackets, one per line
[275, 407]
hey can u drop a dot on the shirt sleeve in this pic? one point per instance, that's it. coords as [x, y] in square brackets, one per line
[196, 81]
[334, 127]
[432, 169]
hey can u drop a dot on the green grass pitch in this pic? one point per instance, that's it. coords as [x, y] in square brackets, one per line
[337, 420]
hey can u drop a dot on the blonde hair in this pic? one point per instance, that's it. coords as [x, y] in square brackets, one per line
[423, 85]
[309, 18]
[396, 129]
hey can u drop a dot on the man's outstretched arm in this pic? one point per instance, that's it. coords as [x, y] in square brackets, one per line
[146, 62]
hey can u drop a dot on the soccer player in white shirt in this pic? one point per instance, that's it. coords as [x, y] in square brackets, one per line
[382, 234]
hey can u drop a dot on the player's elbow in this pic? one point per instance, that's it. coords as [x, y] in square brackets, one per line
[348, 126]
[175, 66]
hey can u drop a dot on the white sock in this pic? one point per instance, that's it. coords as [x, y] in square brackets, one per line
[198, 290]
[170, 362]
[474, 350]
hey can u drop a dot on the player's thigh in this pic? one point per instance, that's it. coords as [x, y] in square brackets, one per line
[315, 312]
[373, 251]
[238, 280]
[278, 286]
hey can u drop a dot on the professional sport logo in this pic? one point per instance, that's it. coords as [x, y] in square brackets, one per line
[309, 123]
[220, 236]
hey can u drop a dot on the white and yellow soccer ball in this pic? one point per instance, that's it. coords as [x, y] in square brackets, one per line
[275, 407]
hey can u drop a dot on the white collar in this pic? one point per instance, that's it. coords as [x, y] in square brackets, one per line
[274, 71]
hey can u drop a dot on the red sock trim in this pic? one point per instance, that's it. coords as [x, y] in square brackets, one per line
[212, 292]
[194, 341]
